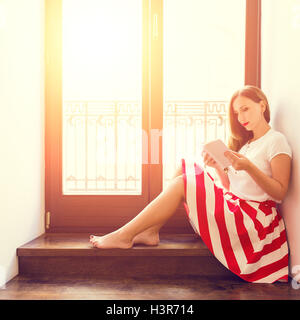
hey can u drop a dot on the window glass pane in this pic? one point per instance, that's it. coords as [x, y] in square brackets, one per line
[204, 49]
[102, 94]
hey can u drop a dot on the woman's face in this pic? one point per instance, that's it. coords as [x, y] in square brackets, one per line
[248, 112]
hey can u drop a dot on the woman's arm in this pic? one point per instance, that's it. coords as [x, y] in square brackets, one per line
[223, 178]
[277, 185]
[209, 161]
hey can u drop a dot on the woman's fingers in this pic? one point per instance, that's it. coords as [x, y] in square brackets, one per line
[208, 160]
[211, 160]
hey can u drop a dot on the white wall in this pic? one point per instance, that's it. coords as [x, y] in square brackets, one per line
[21, 127]
[280, 82]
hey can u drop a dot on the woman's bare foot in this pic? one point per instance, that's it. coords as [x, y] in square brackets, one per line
[111, 240]
[147, 237]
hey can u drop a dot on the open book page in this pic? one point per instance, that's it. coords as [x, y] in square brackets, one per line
[216, 149]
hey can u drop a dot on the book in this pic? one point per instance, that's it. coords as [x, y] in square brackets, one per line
[216, 149]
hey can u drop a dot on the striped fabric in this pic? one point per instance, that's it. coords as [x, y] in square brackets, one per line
[247, 237]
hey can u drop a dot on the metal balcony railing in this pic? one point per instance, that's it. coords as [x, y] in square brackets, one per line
[102, 142]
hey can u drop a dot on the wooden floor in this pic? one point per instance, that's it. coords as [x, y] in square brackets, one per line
[67, 267]
[147, 288]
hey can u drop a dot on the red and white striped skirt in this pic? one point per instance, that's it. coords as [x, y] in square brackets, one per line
[247, 237]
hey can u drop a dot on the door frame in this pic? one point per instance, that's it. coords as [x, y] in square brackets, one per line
[253, 43]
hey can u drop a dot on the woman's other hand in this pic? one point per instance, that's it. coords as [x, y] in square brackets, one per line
[238, 161]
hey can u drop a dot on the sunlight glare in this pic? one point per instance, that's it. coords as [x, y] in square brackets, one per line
[101, 54]
[102, 96]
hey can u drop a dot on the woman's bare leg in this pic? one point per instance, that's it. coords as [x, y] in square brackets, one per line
[150, 236]
[156, 213]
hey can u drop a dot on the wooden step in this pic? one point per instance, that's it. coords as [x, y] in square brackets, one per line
[73, 254]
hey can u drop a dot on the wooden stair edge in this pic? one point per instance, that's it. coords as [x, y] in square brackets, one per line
[77, 244]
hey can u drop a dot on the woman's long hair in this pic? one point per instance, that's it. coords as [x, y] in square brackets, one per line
[238, 135]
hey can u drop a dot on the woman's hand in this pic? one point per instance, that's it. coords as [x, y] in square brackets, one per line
[209, 161]
[238, 161]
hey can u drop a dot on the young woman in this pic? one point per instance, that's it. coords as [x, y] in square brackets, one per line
[240, 223]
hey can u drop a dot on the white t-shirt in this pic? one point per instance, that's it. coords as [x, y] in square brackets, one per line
[260, 152]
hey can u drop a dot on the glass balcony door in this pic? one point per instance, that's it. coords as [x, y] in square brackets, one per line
[102, 97]
[97, 109]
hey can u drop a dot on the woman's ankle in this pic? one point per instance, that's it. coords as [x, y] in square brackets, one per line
[125, 235]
